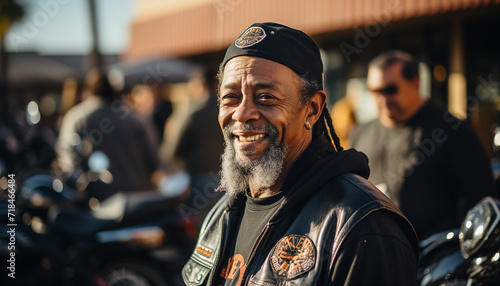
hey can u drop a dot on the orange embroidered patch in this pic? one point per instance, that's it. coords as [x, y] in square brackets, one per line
[204, 251]
[293, 255]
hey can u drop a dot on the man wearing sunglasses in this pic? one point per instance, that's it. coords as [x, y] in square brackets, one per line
[428, 162]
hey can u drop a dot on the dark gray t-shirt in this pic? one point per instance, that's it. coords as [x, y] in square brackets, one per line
[255, 217]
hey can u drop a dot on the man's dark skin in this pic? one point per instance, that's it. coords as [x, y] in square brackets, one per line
[261, 92]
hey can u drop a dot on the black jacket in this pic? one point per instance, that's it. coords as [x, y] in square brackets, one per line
[343, 231]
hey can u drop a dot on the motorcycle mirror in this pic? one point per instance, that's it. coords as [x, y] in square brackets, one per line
[478, 225]
[98, 162]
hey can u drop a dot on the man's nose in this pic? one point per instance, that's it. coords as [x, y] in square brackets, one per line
[246, 111]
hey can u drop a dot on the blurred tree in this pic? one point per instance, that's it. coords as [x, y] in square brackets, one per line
[10, 12]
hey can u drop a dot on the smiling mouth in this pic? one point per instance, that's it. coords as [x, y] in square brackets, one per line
[250, 138]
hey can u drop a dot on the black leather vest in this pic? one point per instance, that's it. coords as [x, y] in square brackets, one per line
[298, 248]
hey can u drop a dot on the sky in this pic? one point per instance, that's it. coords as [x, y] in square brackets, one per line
[62, 27]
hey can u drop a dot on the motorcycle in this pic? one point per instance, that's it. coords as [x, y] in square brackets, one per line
[27, 145]
[466, 256]
[130, 239]
[133, 238]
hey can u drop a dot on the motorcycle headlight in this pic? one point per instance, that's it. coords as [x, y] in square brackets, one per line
[477, 226]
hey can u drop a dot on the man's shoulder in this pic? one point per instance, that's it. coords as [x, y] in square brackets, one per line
[433, 114]
[348, 194]
[358, 197]
[353, 191]
[436, 119]
[361, 200]
[82, 110]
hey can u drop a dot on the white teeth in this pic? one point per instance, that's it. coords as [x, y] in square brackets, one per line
[250, 138]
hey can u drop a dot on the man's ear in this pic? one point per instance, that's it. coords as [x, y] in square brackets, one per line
[315, 106]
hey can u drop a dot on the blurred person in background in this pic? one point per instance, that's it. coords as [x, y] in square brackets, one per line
[342, 114]
[102, 123]
[162, 108]
[197, 96]
[428, 162]
[142, 102]
[71, 95]
[200, 145]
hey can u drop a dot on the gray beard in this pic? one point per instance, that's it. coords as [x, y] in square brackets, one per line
[263, 172]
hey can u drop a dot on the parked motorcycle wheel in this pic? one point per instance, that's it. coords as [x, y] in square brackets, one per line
[133, 273]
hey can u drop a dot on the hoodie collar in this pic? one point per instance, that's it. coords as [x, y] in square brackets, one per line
[318, 165]
[320, 160]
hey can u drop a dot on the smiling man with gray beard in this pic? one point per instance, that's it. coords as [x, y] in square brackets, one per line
[298, 209]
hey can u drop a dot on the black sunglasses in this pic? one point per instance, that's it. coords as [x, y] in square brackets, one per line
[390, 89]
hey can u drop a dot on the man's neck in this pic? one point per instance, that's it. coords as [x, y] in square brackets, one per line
[264, 193]
[261, 193]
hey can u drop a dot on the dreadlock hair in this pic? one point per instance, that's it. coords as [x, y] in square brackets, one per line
[324, 125]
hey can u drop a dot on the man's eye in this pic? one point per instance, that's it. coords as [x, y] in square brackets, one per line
[229, 99]
[266, 98]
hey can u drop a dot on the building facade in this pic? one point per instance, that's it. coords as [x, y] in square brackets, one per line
[456, 41]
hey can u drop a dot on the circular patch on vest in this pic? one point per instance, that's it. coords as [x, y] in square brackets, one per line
[293, 255]
[250, 37]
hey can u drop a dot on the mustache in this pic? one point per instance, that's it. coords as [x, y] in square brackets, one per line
[233, 126]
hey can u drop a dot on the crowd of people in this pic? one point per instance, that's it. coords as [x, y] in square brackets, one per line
[145, 140]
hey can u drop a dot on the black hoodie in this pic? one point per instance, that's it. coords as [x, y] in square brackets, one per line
[319, 164]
